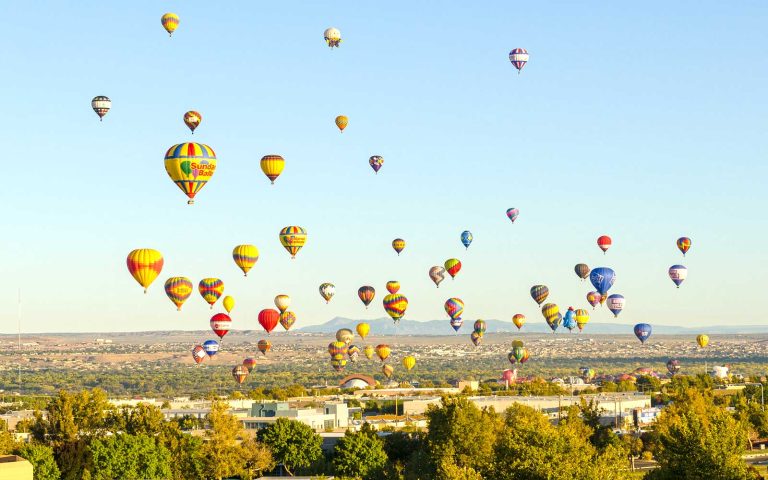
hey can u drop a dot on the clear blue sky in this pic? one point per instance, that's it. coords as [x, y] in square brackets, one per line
[643, 122]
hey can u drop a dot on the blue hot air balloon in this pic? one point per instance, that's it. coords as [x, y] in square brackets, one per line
[466, 238]
[211, 347]
[643, 331]
[615, 303]
[554, 321]
[456, 323]
[602, 278]
[569, 321]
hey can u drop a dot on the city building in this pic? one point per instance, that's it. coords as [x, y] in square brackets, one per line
[331, 416]
[13, 467]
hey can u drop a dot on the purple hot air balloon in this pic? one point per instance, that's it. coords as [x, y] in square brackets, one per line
[376, 162]
[512, 213]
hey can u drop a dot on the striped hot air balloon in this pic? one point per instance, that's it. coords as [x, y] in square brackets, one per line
[190, 166]
[604, 242]
[293, 238]
[245, 257]
[145, 264]
[264, 346]
[170, 22]
[395, 304]
[341, 122]
[272, 166]
[199, 354]
[178, 290]
[518, 57]
[101, 106]
[240, 374]
[398, 245]
[539, 293]
[452, 266]
[581, 317]
[454, 307]
[337, 348]
[582, 270]
[366, 294]
[211, 289]
[393, 286]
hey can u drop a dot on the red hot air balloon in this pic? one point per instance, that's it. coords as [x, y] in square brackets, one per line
[604, 242]
[220, 324]
[269, 318]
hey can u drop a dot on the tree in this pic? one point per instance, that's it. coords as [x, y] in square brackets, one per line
[142, 419]
[256, 459]
[222, 454]
[186, 451]
[41, 458]
[128, 456]
[7, 443]
[294, 444]
[359, 454]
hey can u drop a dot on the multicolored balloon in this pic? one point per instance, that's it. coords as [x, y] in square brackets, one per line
[409, 361]
[198, 354]
[332, 37]
[519, 320]
[282, 302]
[554, 321]
[292, 239]
[369, 351]
[101, 106]
[512, 214]
[229, 303]
[582, 318]
[383, 351]
[272, 166]
[376, 162]
[170, 22]
[452, 266]
[398, 245]
[602, 279]
[211, 347]
[395, 304]
[684, 244]
[178, 289]
[615, 304]
[190, 166]
[327, 291]
[366, 294]
[456, 324]
[245, 257]
[437, 275]
[353, 352]
[211, 290]
[268, 319]
[643, 331]
[341, 122]
[466, 238]
[476, 338]
[144, 265]
[264, 346]
[363, 329]
[454, 307]
[582, 270]
[673, 366]
[539, 293]
[678, 274]
[287, 319]
[240, 374]
[337, 349]
[250, 363]
[220, 324]
[192, 120]
[338, 364]
[393, 286]
[518, 57]
[594, 299]
[387, 370]
[480, 326]
[604, 242]
[702, 340]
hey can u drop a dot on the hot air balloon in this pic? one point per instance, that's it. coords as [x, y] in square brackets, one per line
[569, 320]
[249, 363]
[327, 291]
[229, 303]
[395, 304]
[480, 326]
[145, 265]
[702, 340]
[211, 347]
[268, 319]
[366, 294]
[518, 57]
[192, 119]
[452, 266]
[398, 244]
[341, 122]
[338, 364]
[526, 355]
[272, 166]
[511, 358]
[190, 166]
[293, 238]
[684, 243]
[220, 324]
[519, 320]
[673, 366]
[282, 302]
[587, 373]
[554, 321]
[353, 352]
[383, 351]
[101, 106]
[615, 304]
[198, 354]
[550, 310]
[582, 318]
[369, 351]
[582, 270]
[437, 275]
[287, 319]
[245, 257]
[604, 242]
[454, 307]
[466, 238]
[393, 286]
[332, 37]
[170, 22]
[345, 335]
[594, 299]
[512, 214]
[539, 293]
[264, 346]
[376, 162]
[211, 289]
[363, 329]
[240, 373]
[678, 274]
[178, 290]
[602, 279]
[456, 324]
[387, 370]
[337, 348]
[643, 331]
[409, 362]
[476, 338]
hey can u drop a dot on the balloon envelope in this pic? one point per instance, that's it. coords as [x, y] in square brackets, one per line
[539, 293]
[684, 244]
[454, 307]
[604, 242]
[602, 279]
[615, 304]
[512, 214]
[211, 347]
[229, 303]
[393, 286]
[190, 166]
[376, 162]
[268, 319]
[287, 319]
[678, 274]
[272, 166]
[466, 238]
[220, 324]
[144, 265]
[327, 291]
[192, 120]
[643, 331]
[519, 320]
[437, 275]
[452, 266]
[282, 302]
[383, 351]
[293, 239]
[245, 257]
[170, 22]
[409, 362]
[211, 289]
[395, 305]
[398, 245]
[366, 294]
[518, 57]
[702, 340]
[363, 329]
[178, 290]
[582, 270]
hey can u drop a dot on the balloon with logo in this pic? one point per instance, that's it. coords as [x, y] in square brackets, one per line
[363, 329]
[582, 270]
[539, 293]
[198, 354]
[383, 351]
[101, 106]
[594, 299]
[292, 239]
[518, 57]
[211, 289]
[512, 214]
[327, 291]
[220, 324]
[476, 338]
[341, 122]
[615, 304]
[190, 166]
[387, 370]
[245, 257]
[192, 120]
[287, 319]
[178, 290]
[456, 324]
[393, 286]
[376, 162]
[452, 266]
[409, 361]
[369, 351]
[170, 22]
[332, 37]
[345, 335]
[249, 363]
[144, 265]
[678, 274]
[604, 242]
[240, 374]
[582, 318]
[229, 303]
[643, 331]
[684, 244]
[366, 294]
[702, 340]
[466, 238]
[264, 346]
[395, 305]
[602, 279]
[211, 347]
[272, 166]
[519, 320]
[437, 275]
[398, 245]
[268, 319]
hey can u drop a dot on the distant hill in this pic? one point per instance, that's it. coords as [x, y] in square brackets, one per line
[385, 326]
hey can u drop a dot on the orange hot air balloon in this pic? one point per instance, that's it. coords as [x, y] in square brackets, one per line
[211, 289]
[240, 373]
[383, 351]
[192, 119]
[387, 370]
[393, 286]
[178, 290]
[452, 266]
[604, 242]
[399, 245]
[249, 363]
[199, 354]
[519, 320]
[272, 166]
[341, 122]
[264, 346]
[366, 294]
[145, 264]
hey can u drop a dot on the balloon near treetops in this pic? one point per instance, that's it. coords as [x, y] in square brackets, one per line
[249, 363]
[211, 347]
[398, 245]
[101, 106]
[287, 319]
[518, 57]
[211, 289]
[264, 346]
[673, 366]
[332, 37]
[192, 120]
[292, 239]
[437, 275]
[376, 162]
[337, 348]
[519, 320]
[198, 354]
[145, 264]
[452, 266]
[582, 318]
[268, 319]
[476, 338]
[363, 329]
[245, 257]
[702, 340]
[395, 305]
[366, 294]
[643, 331]
[170, 22]
[383, 351]
[393, 286]
[327, 291]
[240, 374]
[409, 362]
[190, 166]
[369, 351]
[341, 122]
[178, 290]
[272, 166]
[387, 370]
[228, 303]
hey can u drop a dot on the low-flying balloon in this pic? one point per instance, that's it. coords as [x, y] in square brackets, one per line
[240, 374]
[684, 244]
[466, 238]
[369, 351]
[395, 305]
[211, 289]
[480, 326]
[519, 320]
[452, 266]
[643, 331]
[678, 274]
[550, 310]
[554, 321]
[353, 352]
[229, 303]
[604, 242]
[272, 166]
[332, 37]
[383, 351]
[363, 329]
[673, 366]
[456, 324]
[245, 257]
[437, 275]
[518, 57]
[341, 122]
[268, 319]
[170, 22]
[264, 346]
[387, 370]
[476, 338]
[338, 364]
[409, 361]
[198, 354]
[249, 363]
[512, 214]
[398, 245]
[211, 347]
[602, 279]
[293, 238]
[192, 120]
[220, 324]
[190, 166]
[582, 270]
[337, 348]
[287, 319]
[539, 293]
[582, 318]
[615, 304]
[376, 162]
[366, 294]
[327, 291]
[145, 264]
[101, 106]
[702, 340]
[345, 335]
[178, 290]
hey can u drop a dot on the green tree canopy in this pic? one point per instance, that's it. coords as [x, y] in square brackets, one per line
[294, 444]
[221, 451]
[128, 456]
[359, 454]
[41, 458]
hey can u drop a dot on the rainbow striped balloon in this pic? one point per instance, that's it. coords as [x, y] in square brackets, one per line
[395, 304]
[178, 290]
[211, 289]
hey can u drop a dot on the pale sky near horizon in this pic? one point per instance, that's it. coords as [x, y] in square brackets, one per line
[643, 122]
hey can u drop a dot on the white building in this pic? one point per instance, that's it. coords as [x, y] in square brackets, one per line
[331, 416]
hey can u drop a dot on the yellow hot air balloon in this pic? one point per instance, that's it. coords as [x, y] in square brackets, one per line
[369, 351]
[170, 22]
[398, 245]
[582, 318]
[272, 166]
[409, 362]
[383, 351]
[702, 340]
[145, 265]
[345, 335]
[519, 320]
[178, 290]
[293, 238]
[332, 37]
[341, 122]
[549, 310]
[229, 303]
[282, 302]
[363, 329]
[517, 343]
[387, 370]
[245, 257]
[190, 166]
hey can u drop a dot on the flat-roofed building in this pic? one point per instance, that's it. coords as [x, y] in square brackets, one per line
[13, 467]
[331, 416]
